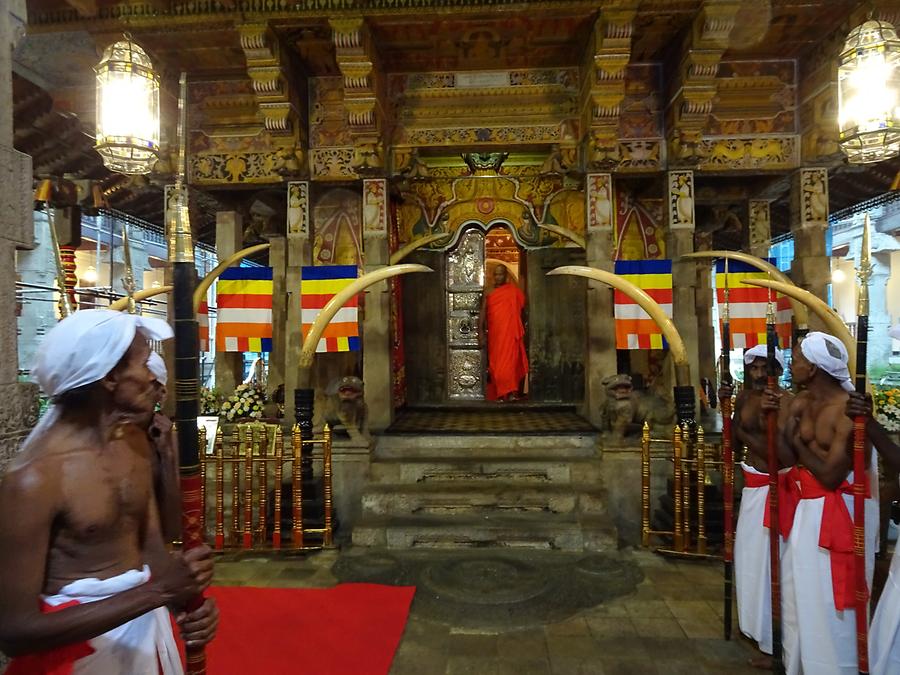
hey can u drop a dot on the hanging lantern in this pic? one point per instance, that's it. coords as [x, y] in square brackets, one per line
[127, 109]
[869, 93]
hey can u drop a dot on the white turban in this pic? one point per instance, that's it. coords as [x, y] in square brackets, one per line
[762, 352]
[158, 367]
[86, 345]
[829, 354]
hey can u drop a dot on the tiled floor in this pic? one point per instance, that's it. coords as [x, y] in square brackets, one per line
[670, 625]
[495, 418]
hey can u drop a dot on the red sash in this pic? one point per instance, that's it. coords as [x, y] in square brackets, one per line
[59, 661]
[835, 534]
[788, 497]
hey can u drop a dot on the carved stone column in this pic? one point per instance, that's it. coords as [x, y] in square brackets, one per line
[601, 354]
[811, 267]
[229, 240]
[682, 223]
[706, 340]
[298, 254]
[279, 357]
[879, 349]
[377, 319]
[19, 410]
[760, 230]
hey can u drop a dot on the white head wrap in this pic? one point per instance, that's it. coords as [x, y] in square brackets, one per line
[895, 332]
[158, 367]
[86, 345]
[819, 349]
[761, 352]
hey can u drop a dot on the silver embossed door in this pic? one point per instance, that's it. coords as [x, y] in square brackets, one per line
[465, 283]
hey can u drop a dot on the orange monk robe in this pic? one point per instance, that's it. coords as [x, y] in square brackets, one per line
[507, 360]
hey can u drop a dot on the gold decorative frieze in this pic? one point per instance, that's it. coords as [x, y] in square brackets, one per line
[235, 168]
[633, 155]
[762, 153]
[356, 57]
[332, 163]
[543, 133]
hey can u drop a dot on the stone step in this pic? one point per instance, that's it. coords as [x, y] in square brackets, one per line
[482, 498]
[545, 531]
[545, 447]
[485, 469]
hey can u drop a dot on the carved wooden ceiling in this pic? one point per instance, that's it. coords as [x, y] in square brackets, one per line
[763, 66]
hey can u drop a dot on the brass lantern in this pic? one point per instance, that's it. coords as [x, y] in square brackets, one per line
[127, 109]
[869, 93]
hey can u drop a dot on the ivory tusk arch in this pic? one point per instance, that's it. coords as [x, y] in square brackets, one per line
[121, 304]
[207, 281]
[308, 350]
[563, 232]
[648, 304]
[416, 244]
[800, 312]
[829, 317]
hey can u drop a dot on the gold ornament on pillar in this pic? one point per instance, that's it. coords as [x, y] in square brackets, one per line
[869, 93]
[127, 109]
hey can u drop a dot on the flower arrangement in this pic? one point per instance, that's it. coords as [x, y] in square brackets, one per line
[246, 401]
[887, 407]
[210, 401]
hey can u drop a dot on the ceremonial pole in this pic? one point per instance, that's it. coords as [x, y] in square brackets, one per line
[863, 273]
[774, 529]
[727, 462]
[187, 348]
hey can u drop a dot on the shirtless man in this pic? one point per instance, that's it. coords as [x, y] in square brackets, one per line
[80, 531]
[160, 430]
[818, 588]
[751, 542]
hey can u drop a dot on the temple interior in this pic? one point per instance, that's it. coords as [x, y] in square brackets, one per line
[577, 520]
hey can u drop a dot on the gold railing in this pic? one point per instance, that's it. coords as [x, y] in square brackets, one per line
[255, 454]
[688, 453]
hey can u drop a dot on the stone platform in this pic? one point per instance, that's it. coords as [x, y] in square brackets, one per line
[442, 490]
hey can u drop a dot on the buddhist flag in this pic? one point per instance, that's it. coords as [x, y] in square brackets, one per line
[747, 306]
[244, 310]
[634, 327]
[320, 283]
[203, 323]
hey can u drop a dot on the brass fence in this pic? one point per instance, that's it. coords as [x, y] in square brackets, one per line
[255, 454]
[689, 453]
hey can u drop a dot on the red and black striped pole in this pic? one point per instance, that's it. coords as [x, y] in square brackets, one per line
[187, 368]
[773, 464]
[727, 463]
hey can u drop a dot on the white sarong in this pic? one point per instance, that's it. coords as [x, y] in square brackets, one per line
[884, 635]
[819, 639]
[752, 572]
[143, 646]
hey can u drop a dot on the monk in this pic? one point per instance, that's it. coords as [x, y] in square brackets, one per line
[819, 619]
[87, 578]
[501, 316]
[752, 571]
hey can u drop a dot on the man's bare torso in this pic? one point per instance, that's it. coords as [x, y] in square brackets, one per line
[100, 494]
[814, 424]
[751, 428]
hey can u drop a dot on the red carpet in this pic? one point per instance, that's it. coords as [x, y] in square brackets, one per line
[351, 629]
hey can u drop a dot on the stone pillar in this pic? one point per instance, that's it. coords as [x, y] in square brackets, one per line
[19, 410]
[879, 347]
[601, 340]
[682, 223]
[376, 329]
[760, 229]
[706, 337]
[278, 358]
[298, 253]
[229, 240]
[811, 267]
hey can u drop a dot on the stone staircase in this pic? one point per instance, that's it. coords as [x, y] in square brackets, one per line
[461, 491]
